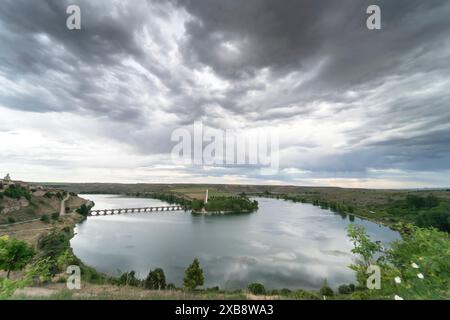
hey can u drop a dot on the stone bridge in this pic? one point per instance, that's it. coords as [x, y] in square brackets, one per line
[105, 212]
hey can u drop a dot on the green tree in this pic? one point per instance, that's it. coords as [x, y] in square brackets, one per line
[197, 205]
[193, 275]
[438, 217]
[83, 210]
[156, 279]
[14, 254]
[257, 288]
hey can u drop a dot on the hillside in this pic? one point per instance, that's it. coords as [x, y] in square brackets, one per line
[23, 202]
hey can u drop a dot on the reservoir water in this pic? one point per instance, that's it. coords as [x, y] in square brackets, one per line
[282, 245]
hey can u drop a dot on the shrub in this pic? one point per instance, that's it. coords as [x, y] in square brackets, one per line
[257, 288]
[274, 292]
[41, 270]
[438, 218]
[45, 218]
[171, 286]
[285, 291]
[16, 192]
[55, 215]
[66, 259]
[345, 289]
[7, 287]
[326, 290]
[11, 220]
[305, 295]
[83, 210]
[420, 260]
[54, 245]
[155, 280]
[129, 279]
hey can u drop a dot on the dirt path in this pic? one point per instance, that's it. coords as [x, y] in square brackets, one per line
[17, 223]
[62, 210]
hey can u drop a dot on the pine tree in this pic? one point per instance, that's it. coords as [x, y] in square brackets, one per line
[193, 275]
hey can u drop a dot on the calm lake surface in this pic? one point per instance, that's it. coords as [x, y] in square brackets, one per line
[282, 245]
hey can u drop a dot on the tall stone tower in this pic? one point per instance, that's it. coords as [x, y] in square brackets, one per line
[206, 196]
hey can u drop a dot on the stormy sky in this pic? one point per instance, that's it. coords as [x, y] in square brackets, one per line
[351, 107]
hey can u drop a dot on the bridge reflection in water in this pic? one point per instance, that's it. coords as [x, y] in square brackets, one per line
[104, 212]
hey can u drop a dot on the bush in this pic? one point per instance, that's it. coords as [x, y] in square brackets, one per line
[305, 295]
[83, 210]
[40, 271]
[66, 259]
[171, 286]
[45, 218]
[420, 260]
[54, 245]
[257, 288]
[16, 192]
[11, 220]
[274, 292]
[438, 218]
[346, 289]
[129, 279]
[55, 215]
[326, 290]
[285, 291]
[7, 287]
[155, 280]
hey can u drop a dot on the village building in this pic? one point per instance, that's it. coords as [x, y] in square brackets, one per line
[6, 182]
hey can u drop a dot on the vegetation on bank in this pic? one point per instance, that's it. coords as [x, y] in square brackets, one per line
[236, 204]
[167, 197]
[84, 209]
[424, 211]
[216, 204]
[415, 267]
[17, 192]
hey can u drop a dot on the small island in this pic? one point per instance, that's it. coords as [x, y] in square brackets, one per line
[224, 204]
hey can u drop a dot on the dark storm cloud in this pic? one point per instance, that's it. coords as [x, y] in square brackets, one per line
[260, 62]
[295, 35]
[38, 46]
